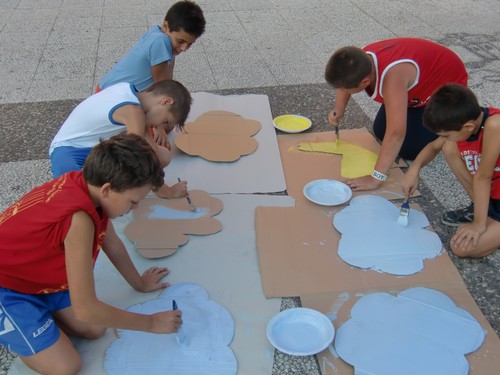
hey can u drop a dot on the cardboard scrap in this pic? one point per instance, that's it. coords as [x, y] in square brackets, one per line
[298, 255]
[219, 136]
[302, 167]
[157, 238]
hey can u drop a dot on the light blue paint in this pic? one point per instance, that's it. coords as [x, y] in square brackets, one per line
[420, 331]
[162, 212]
[385, 245]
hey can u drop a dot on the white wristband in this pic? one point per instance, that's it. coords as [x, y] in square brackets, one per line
[379, 175]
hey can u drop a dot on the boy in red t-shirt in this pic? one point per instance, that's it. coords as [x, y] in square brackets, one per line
[468, 135]
[50, 240]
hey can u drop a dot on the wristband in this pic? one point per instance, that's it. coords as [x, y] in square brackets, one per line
[379, 175]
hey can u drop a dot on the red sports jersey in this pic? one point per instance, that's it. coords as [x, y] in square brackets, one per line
[33, 230]
[435, 64]
[471, 148]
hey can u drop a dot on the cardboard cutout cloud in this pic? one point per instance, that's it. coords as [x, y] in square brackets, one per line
[219, 136]
[420, 331]
[160, 226]
[372, 238]
[208, 330]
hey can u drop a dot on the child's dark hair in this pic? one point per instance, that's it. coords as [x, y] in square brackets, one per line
[182, 98]
[450, 107]
[188, 16]
[126, 161]
[347, 67]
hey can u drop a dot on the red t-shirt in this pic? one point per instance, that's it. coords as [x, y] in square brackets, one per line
[471, 150]
[435, 64]
[33, 230]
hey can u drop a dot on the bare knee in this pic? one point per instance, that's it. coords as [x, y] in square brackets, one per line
[472, 253]
[93, 333]
[66, 367]
[44, 363]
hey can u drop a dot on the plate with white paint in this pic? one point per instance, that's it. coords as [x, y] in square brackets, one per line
[300, 331]
[292, 123]
[327, 192]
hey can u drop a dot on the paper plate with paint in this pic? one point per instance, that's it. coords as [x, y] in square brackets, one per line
[300, 331]
[327, 192]
[292, 123]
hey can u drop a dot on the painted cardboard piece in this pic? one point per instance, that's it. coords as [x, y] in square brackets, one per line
[157, 236]
[298, 254]
[207, 329]
[418, 331]
[385, 245]
[302, 167]
[219, 136]
[338, 305]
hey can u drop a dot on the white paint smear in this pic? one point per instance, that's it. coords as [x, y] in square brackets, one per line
[208, 330]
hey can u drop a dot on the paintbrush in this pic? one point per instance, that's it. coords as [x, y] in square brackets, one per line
[404, 213]
[337, 131]
[182, 338]
[191, 206]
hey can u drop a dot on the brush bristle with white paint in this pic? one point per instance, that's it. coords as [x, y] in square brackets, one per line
[404, 213]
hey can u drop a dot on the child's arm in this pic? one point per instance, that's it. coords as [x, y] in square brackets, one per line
[467, 235]
[424, 157]
[133, 117]
[395, 92]
[118, 255]
[85, 304]
[341, 100]
[163, 71]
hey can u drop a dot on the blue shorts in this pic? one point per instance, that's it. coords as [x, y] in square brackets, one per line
[494, 209]
[66, 158]
[26, 324]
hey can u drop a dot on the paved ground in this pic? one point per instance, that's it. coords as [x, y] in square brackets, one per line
[52, 52]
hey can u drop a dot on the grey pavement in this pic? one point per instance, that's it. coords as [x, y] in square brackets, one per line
[52, 53]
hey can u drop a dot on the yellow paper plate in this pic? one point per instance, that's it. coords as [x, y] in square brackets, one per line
[292, 123]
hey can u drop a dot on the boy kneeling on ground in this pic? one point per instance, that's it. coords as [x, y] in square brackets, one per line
[51, 239]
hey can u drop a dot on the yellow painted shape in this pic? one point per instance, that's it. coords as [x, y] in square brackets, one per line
[356, 161]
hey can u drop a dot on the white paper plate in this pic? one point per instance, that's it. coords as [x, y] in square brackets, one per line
[292, 123]
[300, 331]
[327, 192]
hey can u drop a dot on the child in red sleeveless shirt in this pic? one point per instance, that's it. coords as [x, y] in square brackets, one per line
[50, 240]
[468, 135]
[401, 74]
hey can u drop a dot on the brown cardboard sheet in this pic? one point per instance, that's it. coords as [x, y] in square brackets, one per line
[302, 167]
[298, 247]
[157, 238]
[485, 360]
[219, 136]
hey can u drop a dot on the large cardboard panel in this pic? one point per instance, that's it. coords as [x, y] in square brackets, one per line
[337, 305]
[245, 175]
[298, 247]
[302, 167]
[225, 264]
